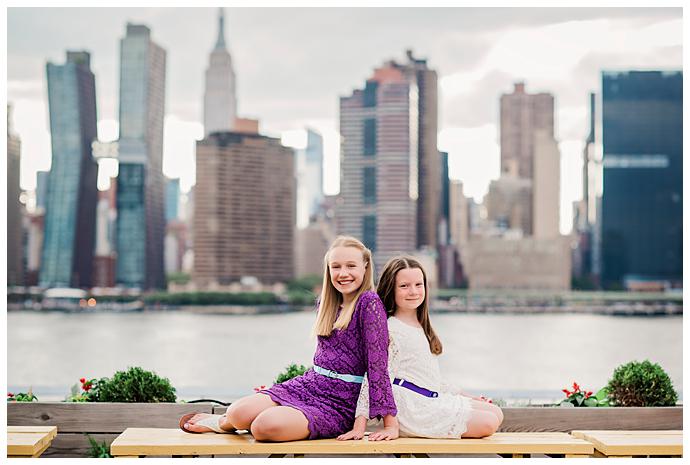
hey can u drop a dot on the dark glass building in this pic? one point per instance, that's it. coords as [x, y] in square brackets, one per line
[140, 227]
[72, 187]
[642, 202]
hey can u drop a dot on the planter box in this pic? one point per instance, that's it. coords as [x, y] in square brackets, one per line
[105, 421]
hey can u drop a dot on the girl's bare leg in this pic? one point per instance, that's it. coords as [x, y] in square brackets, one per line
[479, 405]
[481, 423]
[239, 414]
[280, 424]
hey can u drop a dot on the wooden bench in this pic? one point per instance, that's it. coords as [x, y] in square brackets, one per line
[667, 443]
[141, 442]
[29, 441]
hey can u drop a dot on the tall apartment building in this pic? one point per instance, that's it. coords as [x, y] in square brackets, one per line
[244, 210]
[72, 192]
[220, 102]
[641, 221]
[429, 163]
[15, 266]
[140, 182]
[522, 116]
[379, 165]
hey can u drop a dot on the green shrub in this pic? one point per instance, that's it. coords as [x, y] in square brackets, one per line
[98, 451]
[211, 298]
[301, 297]
[305, 283]
[133, 385]
[641, 384]
[291, 372]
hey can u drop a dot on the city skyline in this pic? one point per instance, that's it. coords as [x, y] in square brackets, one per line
[479, 53]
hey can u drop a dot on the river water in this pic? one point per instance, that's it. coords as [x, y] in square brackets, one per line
[518, 358]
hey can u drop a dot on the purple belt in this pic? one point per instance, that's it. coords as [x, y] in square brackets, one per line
[413, 387]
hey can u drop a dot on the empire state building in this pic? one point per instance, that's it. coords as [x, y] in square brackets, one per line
[220, 103]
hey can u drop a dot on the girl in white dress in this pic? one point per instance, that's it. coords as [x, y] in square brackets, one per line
[427, 407]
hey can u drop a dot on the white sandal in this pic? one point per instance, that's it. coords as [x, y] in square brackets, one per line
[212, 422]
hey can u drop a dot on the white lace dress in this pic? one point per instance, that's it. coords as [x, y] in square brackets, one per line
[410, 358]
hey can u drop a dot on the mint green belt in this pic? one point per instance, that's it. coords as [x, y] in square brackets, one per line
[333, 374]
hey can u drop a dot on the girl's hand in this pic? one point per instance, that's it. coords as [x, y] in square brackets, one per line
[357, 431]
[354, 433]
[386, 434]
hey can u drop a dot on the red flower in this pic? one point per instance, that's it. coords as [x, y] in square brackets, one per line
[567, 393]
[259, 388]
[588, 394]
[576, 387]
[82, 380]
[9, 394]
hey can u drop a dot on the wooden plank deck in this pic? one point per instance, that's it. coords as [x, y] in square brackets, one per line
[634, 443]
[174, 442]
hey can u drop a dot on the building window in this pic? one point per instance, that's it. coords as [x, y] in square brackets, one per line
[369, 233]
[369, 185]
[370, 93]
[370, 136]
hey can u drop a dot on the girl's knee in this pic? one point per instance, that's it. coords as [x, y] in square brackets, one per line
[240, 416]
[498, 412]
[482, 424]
[265, 428]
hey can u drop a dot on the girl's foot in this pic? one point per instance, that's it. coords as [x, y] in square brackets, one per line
[202, 423]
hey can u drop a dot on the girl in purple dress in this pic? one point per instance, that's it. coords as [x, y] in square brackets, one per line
[352, 338]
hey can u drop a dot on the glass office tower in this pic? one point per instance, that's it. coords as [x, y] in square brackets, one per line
[642, 202]
[72, 188]
[140, 182]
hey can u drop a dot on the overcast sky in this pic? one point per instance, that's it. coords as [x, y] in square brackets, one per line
[292, 65]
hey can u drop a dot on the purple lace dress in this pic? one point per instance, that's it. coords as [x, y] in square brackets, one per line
[328, 403]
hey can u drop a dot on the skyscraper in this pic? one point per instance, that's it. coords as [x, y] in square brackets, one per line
[140, 183]
[642, 203]
[379, 182]
[15, 268]
[425, 82]
[72, 194]
[220, 103]
[309, 167]
[522, 115]
[244, 210]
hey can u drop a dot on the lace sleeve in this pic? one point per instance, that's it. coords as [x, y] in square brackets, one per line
[375, 331]
[363, 401]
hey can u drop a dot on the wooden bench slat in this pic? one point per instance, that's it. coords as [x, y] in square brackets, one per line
[156, 441]
[51, 431]
[27, 444]
[626, 443]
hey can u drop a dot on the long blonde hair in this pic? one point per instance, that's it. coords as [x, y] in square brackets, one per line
[331, 298]
[386, 290]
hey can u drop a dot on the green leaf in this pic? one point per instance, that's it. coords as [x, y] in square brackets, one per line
[601, 393]
[590, 402]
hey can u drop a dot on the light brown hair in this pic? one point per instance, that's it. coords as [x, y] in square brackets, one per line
[331, 298]
[386, 290]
